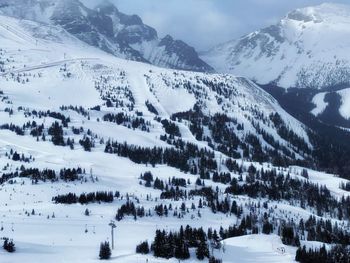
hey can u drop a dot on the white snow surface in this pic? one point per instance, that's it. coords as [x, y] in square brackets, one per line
[320, 104]
[37, 61]
[257, 248]
[307, 48]
[344, 109]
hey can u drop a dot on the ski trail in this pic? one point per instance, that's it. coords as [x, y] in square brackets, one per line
[19, 34]
[47, 65]
[23, 147]
[142, 93]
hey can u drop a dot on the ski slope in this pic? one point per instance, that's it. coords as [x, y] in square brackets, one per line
[45, 68]
[257, 248]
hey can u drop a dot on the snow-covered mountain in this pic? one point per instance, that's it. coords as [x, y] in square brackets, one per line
[86, 138]
[46, 47]
[125, 36]
[309, 47]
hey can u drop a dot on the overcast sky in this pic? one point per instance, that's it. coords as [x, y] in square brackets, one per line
[204, 23]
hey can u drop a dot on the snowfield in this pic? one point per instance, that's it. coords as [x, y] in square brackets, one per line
[45, 68]
[345, 103]
[320, 104]
[344, 108]
[308, 48]
[257, 248]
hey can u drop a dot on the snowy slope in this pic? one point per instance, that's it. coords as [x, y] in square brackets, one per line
[242, 99]
[345, 103]
[321, 104]
[43, 67]
[307, 48]
[105, 27]
[263, 247]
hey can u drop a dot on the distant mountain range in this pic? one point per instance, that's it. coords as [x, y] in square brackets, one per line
[193, 165]
[308, 48]
[105, 27]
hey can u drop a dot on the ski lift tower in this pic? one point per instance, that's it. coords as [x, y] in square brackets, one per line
[112, 225]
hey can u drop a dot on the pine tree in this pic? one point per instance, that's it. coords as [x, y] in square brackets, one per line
[56, 132]
[186, 252]
[157, 245]
[214, 260]
[216, 240]
[178, 253]
[142, 248]
[105, 251]
[181, 249]
[202, 250]
[267, 227]
[9, 246]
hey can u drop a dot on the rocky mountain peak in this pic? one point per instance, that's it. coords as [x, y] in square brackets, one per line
[105, 27]
[308, 48]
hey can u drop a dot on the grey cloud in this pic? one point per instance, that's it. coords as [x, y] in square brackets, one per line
[204, 23]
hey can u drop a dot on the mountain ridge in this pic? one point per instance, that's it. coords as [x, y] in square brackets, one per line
[306, 48]
[107, 28]
[199, 165]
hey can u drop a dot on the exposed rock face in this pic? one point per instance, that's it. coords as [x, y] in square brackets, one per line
[309, 48]
[125, 36]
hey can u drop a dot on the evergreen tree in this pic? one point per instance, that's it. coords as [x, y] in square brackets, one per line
[9, 246]
[202, 250]
[157, 245]
[214, 260]
[56, 132]
[105, 251]
[142, 248]
[267, 227]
